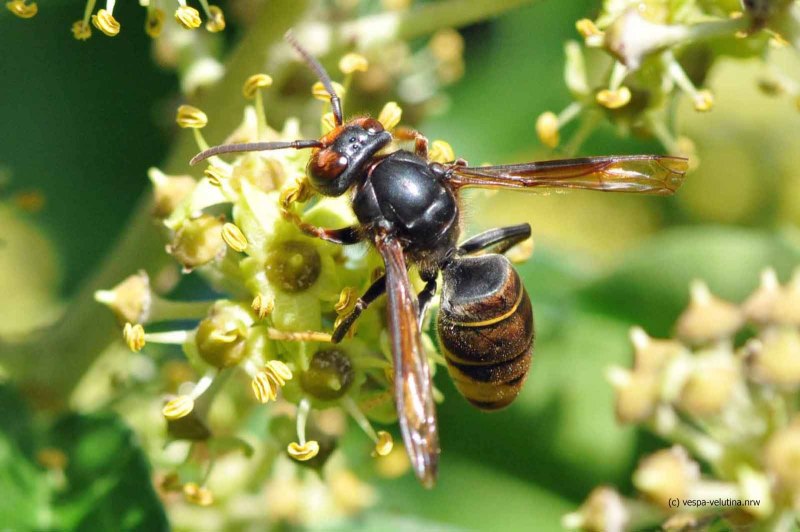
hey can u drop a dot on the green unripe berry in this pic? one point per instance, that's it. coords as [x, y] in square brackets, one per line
[330, 374]
[293, 266]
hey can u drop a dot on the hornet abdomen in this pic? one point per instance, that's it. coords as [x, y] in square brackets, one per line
[485, 327]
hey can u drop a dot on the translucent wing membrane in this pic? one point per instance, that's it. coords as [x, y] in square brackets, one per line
[412, 377]
[643, 174]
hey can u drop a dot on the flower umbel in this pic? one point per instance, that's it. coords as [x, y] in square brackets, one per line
[656, 52]
[730, 408]
[237, 228]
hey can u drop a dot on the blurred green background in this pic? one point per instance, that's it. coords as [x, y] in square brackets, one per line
[82, 122]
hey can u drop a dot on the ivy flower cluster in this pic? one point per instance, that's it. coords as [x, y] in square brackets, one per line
[104, 21]
[640, 56]
[266, 339]
[729, 408]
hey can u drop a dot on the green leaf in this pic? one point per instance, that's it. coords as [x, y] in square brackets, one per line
[651, 285]
[21, 480]
[105, 484]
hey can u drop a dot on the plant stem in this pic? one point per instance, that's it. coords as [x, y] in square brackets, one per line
[48, 363]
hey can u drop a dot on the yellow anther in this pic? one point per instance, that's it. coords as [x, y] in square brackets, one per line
[447, 45]
[703, 101]
[328, 122]
[216, 19]
[255, 82]
[264, 388]
[191, 117]
[614, 99]
[320, 93]
[263, 306]
[547, 129]
[188, 17]
[390, 115]
[198, 495]
[134, 336]
[155, 22]
[303, 452]
[81, 30]
[441, 152]
[178, 408]
[269, 380]
[279, 371]
[22, 9]
[234, 237]
[347, 300]
[797, 103]
[105, 22]
[299, 191]
[352, 62]
[385, 443]
[587, 28]
[215, 175]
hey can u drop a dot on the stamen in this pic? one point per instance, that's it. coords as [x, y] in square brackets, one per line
[187, 16]
[319, 91]
[347, 300]
[178, 408]
[703, 99]
[191, 117]
[352, 62]
[267, 381]
[216, 18]
[22, 9]
[383, 440]
[592, 35]
[170, 337]
[441, 152]
[197, 494]
[614, 99]
[216, 175]
[547, 129]
[548, 124]
[134, 336]
[234, 237]
[251, 91]
[104, 20]
[255, 82]
[304, 450]
[390, 115]
[327, 123]
[81, 29]
[263, 306]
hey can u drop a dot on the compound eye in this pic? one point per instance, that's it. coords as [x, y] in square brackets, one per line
[328, 164]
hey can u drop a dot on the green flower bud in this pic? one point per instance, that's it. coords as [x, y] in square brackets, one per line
[198, 241]
[666, 474]
[221, 338]
[330, 374]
